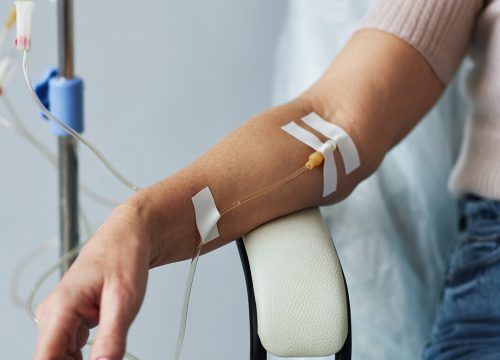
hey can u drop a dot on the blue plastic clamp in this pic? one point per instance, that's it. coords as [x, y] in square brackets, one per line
[64, 99]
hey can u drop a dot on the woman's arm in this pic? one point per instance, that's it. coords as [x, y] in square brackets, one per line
[377, 89]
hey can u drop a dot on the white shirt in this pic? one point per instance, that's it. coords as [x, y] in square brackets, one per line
[394, 261]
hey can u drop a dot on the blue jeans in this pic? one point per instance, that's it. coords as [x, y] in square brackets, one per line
[467, 325]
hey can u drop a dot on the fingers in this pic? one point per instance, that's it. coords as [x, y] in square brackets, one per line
[63, 327]
[105, 285]
[57, 331]
[116, 315]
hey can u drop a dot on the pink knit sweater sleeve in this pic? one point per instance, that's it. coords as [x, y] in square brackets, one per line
[440, 30]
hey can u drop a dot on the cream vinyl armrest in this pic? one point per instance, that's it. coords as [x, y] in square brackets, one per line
[300, 293]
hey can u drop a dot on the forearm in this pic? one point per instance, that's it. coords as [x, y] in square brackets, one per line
[376, 90]
[256, 155]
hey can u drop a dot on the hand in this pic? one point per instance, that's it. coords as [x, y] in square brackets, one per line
[105, 286]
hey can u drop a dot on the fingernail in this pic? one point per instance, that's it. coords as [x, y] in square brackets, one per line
[103, 358]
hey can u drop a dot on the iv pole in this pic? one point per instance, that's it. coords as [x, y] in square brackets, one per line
[68, 161]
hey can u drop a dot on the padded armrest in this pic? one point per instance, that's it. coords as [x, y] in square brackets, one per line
[299, 287]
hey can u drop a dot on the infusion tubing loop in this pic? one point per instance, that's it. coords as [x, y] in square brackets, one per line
[22, 130]
[71, 131]
[19, 127]
[125, 181]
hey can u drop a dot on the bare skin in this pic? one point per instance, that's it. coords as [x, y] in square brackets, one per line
[377, 89]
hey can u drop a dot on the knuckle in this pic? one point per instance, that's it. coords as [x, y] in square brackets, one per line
[125, 290]
[54, 304]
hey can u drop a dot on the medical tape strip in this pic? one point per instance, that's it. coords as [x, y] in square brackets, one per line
[345, 143]
[311, 140]
[207, 215]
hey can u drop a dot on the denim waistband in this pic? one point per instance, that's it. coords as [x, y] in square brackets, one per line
[480, 215]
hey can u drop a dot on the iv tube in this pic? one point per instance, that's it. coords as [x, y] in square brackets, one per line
[133, 187]
[72, 132]
[264, 191]
[194, 261]
[19, 127]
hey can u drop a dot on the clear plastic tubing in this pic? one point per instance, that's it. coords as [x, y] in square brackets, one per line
[19, 127]
[72, 132]
[129, 184]
[194, 261]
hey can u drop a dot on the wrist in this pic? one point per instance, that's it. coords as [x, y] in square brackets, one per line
[166, 215]
[137, 214]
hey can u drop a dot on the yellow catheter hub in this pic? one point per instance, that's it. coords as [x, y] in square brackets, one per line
[315, 160]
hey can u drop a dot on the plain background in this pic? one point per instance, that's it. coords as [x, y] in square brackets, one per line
[165, 80]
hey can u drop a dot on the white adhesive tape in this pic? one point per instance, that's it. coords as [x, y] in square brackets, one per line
[207, 215]
[327, 149]
[329, 174]
[303, 135]
[345, 143]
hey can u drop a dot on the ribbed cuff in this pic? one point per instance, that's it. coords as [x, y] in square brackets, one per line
[478, 168]
[440, 30]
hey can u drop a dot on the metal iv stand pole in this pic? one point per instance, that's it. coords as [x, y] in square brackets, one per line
[68, 161]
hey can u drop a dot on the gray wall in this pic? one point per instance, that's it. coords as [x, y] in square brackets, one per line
[164, 82]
